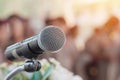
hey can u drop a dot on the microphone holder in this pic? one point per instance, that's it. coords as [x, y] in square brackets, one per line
[29, 66]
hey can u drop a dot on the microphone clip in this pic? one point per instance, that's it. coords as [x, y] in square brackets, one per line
[32, 65]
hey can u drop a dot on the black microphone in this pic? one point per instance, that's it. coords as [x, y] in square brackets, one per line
[51, 39]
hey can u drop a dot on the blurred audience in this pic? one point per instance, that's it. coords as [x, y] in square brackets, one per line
[100, 58]
[98, 61]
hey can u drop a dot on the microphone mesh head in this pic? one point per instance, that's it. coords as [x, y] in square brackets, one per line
[51, 39]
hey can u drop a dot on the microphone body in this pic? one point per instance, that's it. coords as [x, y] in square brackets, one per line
[51, 39]
[25, 49]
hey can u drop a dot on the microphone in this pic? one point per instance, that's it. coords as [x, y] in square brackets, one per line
[51, 39]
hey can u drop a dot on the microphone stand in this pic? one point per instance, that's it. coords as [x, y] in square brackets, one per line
[29, 66]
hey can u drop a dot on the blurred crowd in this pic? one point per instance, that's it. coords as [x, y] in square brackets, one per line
[99, 60]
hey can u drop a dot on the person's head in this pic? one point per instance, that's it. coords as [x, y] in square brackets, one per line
[4, 31]
[60, 22]
[16, 24]
[111, 24]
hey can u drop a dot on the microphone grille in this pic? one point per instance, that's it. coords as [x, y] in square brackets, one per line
[51, 39]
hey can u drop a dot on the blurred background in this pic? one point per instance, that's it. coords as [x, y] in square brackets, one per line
[92, 28]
